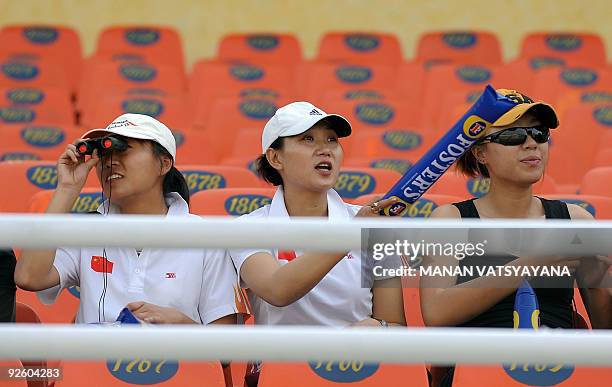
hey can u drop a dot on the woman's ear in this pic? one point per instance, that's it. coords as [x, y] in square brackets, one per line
[478, 152]
[165, 165]
[274, 159]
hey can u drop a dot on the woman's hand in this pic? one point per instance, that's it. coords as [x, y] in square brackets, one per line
[374, 207]
[72, 169]
[155, 314]
[368, 322]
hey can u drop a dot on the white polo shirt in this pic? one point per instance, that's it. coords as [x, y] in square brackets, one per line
[338, 300]
[200, 283]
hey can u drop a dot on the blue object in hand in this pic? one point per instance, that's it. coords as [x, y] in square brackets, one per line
[526, 309]
[127, 317]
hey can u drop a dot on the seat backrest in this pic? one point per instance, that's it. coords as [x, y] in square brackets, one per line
[520, 375]
[204, 177]
[569, 47]
[355, 182]
[28, 72]
[473, 47]
[597, 182]
[272, 48]
[581, 134]
[88, 201]
[25, 314]
[135, 372]
[322, 78]
[230, 201]
[27, 178]
[59, 44]
[63, 310]
[104, 77]
[401, 143]
[552, 83]
[387, 114]
[153, 44]
[358, 374]
[360, 47]
[35, 142]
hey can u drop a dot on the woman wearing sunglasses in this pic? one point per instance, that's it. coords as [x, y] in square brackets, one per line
[513, 155]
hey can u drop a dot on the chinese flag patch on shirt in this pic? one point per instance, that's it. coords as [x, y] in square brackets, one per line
[101, 264]
[289, 255]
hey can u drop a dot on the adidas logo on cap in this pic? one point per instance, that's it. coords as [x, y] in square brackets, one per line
[315, 112]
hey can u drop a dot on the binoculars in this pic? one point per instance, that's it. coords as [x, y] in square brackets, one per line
[104, 145]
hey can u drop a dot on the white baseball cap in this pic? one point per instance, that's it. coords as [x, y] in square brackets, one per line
[138, 126]
[296, 118]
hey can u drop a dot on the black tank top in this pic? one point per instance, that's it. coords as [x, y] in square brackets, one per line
[555, 303]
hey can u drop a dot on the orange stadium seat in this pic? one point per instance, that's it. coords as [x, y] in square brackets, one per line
[171, 110]
[597, 182]
[403, 144]
[603, 158]
[246, 144]
[27, 178]
[584, 130]
[360, 47]
[552, 83]
[35, 142]
[398, 165]
[469, 47]
[26, 96]
[230, 115]
[577, 97]
[388, 114]
[411, 81]
[323, 78]
[104, 78]
[89, 200]
[571, 48]
[194, 147]
[133, 372]
[20, 115]
[531, 374]
[204, 177]
[36, 73]
[59, 44]
[355, 182]
[230, 201]
[599, 206]
[26, 315]
[213, 80]
[273, 48]
[152, 44]
[453, 183]
[323, 373]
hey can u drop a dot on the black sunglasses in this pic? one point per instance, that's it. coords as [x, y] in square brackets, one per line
[518, 136]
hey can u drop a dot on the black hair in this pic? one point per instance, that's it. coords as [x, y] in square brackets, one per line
[265, 170]
[174, 181]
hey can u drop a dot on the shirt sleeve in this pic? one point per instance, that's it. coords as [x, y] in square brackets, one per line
[220, 295]
[68, 264]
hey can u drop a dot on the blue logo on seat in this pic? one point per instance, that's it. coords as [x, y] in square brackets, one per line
[343, 371]
[149, 107]
[579, 77]
[402, 140]
[354, 74]
[246, 72]
[473, 74]
[397, 165]
[603, 115]
[42, 136]
[11, 115]
[42, 176]
[40, 35]
[596, 96]
[460, 39]
[258, 93]
[142, 371]
[87, 202]
[142, 36]
[374, 113]
[362, 43]
[238, 205]
[18, 156]
[262, 42]
[563, 42]
[539, 374]
[257, 109]
[25, 96]
[351, 184]
[540, 62]
[179, 137]
[137, 72]
[202, 180]
[363, 94]
[20, 71]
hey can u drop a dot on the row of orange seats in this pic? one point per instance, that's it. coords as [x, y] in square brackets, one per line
[31, 177]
